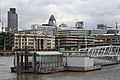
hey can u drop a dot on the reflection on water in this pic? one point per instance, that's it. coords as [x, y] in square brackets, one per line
[107, 73]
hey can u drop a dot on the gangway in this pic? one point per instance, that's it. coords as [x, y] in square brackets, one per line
[101, 51]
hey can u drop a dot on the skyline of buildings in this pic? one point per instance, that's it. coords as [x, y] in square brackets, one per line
[13, 22]
[61, 36]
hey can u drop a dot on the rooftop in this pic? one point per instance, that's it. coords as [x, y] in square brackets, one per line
[46, 52]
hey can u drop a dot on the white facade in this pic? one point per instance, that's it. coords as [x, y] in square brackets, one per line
[79, 62]
[36, 41]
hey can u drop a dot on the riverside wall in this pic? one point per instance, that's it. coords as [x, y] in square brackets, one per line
[7, 53]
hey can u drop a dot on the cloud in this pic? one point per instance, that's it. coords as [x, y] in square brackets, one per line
[92, 12]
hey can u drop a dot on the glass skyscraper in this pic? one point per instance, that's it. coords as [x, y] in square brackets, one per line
[12, 20]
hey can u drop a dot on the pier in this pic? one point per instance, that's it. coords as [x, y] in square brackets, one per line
[76, 61]
[53, 61]
[38, 62]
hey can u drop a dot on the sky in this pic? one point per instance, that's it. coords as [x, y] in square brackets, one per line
[92, 12]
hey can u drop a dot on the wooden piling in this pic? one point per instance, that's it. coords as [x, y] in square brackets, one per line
[26, 62]
[35, 64]
[26, 58]
[22, 62]
[18, 64]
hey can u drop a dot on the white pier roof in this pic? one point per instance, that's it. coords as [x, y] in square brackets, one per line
[46, 52]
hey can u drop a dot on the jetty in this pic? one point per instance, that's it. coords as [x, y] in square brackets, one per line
[38, 62]
[53, 61]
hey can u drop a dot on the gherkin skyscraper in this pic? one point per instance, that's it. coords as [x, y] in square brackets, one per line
[52, 21]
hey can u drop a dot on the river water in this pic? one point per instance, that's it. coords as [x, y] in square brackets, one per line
[106, 73]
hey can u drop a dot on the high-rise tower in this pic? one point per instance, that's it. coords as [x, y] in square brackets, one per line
[52, 21]
[79, 24]
[12, 20]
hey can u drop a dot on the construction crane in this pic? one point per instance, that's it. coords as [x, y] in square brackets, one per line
[2, 27]
[117, 27]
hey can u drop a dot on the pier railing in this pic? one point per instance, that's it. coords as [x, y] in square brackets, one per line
[74, 53]
[102, 51]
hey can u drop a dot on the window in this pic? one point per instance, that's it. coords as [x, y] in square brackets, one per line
[16, 47]
[48, 43]
[16, 39]
[16, 43]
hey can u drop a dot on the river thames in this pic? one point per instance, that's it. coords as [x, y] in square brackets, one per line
[106, 73]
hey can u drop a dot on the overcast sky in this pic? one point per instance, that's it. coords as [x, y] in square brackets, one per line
[92, 12]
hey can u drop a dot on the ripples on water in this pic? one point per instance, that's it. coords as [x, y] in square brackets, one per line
[107, 73]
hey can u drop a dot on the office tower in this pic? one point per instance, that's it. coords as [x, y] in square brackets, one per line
[12, 20]
[52, 21]
[79, 24]
[102, 26]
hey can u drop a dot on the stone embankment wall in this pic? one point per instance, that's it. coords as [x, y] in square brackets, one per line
[7, 53]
